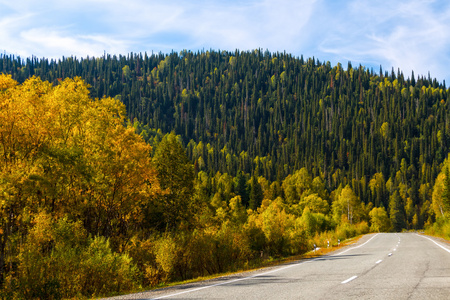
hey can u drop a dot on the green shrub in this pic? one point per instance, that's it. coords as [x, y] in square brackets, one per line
[345, 230]
[58, 261]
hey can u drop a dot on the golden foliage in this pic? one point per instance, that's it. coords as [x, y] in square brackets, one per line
[63, 153]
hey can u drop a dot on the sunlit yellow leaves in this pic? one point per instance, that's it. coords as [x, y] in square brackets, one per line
[315, 204]
[441, 201]
[58, 260]
[297, 185]
[347, 206]
[379, 220]
[64, 152]
[384, 129]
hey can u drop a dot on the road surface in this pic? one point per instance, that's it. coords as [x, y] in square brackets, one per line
[379, 266]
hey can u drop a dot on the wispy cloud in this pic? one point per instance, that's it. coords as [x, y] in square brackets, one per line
[413, 35]
[53, 43]
[408, 35]
[54, 28]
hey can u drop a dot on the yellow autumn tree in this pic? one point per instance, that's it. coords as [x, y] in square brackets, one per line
[66, 154]
[441, 193]
[347, 206]
[296, 186]
[379, 220]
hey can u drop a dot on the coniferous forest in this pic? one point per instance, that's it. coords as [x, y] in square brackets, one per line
[142, 169]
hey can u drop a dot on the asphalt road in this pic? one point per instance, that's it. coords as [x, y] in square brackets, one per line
[379, 266]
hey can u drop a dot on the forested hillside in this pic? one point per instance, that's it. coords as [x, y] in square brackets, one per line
[274, 113]
[267, 154]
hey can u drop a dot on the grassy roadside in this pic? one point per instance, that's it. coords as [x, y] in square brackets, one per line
[442, 237]
[270, 262]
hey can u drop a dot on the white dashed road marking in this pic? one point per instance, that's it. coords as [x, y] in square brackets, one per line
[348, 280]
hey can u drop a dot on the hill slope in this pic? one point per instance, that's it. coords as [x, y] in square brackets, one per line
[275, 113]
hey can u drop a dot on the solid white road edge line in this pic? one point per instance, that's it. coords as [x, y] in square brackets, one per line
[348, 280]
[356, 246]
[235, 280]
[257, 275]
[435, 243]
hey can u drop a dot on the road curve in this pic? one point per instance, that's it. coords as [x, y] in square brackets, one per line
[379, 266]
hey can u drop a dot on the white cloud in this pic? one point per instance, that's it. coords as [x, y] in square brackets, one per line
[276, 25]
[218, 24]
[409, 35]
[51, 43]
[413, 35]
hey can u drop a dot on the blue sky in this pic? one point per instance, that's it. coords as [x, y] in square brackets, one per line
[410, 35]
